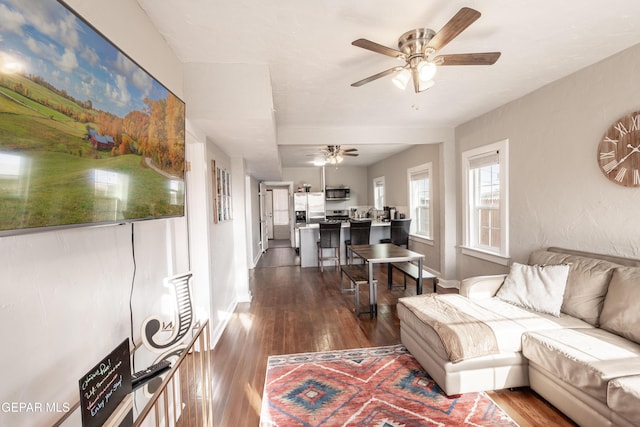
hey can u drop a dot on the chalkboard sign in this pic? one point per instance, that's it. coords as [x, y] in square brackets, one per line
[105, 386]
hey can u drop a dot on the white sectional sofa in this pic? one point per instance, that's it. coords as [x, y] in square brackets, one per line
[567, 325]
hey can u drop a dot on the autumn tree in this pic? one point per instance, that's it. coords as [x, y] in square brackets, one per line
[136, 126]
[157, 144]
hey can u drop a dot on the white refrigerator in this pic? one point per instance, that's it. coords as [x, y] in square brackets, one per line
[312, 204]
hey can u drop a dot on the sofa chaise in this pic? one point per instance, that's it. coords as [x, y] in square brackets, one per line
[567, 324]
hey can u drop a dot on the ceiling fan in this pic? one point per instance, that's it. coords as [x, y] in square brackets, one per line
[334, 154]
[419, 47]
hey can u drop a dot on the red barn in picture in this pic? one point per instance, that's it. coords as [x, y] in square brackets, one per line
[100, 142]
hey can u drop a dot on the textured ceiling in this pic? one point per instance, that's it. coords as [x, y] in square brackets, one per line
[284, 68]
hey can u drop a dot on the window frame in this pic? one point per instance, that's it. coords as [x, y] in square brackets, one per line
[470, 247]
[417, 170]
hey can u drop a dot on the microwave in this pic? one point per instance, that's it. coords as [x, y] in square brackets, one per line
[337, 193]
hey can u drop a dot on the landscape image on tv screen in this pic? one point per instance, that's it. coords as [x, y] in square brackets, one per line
[86, 135]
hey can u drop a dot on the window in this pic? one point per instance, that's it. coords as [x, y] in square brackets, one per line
[420, 211]
[378, 193]
[486, 220]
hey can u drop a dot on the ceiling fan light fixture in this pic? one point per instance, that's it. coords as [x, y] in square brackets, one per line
[334, 155]
[426, 70]
[401, 79]
[335, 159]
[426, 85]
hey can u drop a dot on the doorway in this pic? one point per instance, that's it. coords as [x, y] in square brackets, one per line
[277, 225]
[276, 215]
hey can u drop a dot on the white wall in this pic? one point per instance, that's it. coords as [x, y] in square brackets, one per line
[64, 295]
[222, 251]
[394, 169]
[199, 211]
[558, 196]
[240, 248]
[354, 177]
[299, 176]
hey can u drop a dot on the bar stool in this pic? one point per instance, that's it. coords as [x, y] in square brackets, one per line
[399, 237]
[359, 233]
[329, 239]
[399, 232]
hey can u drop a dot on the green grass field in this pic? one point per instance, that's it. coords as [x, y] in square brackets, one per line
[58, 186]
[40, 92]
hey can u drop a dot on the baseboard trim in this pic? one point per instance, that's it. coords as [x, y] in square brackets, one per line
[217, 331]
[256, 259]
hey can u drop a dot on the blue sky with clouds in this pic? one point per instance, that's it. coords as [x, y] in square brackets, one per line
[50, 41]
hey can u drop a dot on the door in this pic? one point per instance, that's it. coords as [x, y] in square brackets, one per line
[264, 240]
[269, 211]
[281, 213]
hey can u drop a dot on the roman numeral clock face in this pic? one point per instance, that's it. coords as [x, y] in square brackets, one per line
[619, 151]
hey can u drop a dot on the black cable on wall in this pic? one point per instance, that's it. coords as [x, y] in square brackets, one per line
[133, 279]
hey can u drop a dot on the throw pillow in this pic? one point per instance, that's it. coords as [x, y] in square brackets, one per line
[536, 287]
[586, 285]
[620, 313]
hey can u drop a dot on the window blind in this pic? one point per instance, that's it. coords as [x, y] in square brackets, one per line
[484, 160]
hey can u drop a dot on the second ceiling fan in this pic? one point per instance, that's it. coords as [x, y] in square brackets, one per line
[335, 154]
[419, 47]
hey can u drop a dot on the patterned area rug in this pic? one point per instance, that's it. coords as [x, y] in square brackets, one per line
[381, 386]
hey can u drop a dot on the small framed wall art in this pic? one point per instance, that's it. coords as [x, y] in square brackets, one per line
[221, 193]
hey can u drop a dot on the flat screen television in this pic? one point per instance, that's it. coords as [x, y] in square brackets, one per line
[87, 136]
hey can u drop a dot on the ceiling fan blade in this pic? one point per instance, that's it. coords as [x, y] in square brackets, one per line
[376, 76]
[351, 154]
[460, 21]
[486, 58]
[346, 150]
[378, 48]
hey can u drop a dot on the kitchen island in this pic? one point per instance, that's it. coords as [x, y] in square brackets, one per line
[310, 234]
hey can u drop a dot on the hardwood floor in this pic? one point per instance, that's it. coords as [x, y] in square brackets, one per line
[297, 310]
[279, 254]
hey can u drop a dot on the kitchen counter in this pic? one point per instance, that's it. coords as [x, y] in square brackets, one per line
[310, 234]
[346, 224]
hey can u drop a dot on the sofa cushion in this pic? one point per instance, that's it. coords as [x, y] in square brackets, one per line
[620, 313]
[623, 397]
[586, 285]
[535, 287]
[507, 321]
[585, 358]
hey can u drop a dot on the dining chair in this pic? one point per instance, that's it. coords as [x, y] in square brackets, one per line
[329, 239]
[399, 234]
[359, 234]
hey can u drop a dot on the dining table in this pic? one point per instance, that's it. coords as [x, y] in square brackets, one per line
[377, 253]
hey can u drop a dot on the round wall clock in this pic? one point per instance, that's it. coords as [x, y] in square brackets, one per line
[619, 151]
